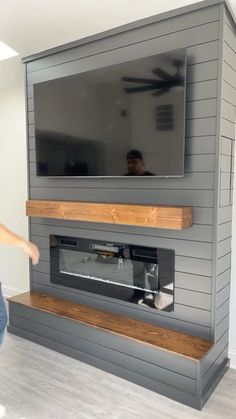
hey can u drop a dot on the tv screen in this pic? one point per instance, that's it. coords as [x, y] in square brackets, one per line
[123, 120]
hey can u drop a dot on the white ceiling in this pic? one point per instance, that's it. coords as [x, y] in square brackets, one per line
[31, 26]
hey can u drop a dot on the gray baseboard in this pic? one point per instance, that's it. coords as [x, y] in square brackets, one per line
[215, 381]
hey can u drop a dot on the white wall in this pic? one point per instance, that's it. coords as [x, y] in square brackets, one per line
[13, 181]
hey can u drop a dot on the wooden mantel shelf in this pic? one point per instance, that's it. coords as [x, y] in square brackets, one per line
[155, 216]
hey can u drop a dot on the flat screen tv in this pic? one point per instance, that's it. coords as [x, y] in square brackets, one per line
[127, 119]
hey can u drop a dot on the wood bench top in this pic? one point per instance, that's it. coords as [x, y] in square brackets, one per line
[162, 338]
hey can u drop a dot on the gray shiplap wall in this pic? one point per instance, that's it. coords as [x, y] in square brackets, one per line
[226, 172]
[199, 32]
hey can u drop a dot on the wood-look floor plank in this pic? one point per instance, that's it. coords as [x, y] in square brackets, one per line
[38, 383]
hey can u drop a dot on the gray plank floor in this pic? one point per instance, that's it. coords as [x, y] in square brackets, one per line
[36, 382]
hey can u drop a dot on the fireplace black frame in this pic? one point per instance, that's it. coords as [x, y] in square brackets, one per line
[109, 289]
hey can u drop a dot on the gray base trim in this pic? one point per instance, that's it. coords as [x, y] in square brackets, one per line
[216, 379]
[126, 374]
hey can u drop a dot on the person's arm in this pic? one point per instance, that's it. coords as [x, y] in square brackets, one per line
[8, 237]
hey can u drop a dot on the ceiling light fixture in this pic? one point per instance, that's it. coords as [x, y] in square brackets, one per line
[6, 52]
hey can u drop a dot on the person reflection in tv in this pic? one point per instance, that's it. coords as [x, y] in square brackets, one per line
[136, 165]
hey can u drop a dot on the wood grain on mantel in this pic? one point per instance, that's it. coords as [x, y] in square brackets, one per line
[157, 216]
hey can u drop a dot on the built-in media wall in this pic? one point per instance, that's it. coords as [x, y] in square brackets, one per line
[125, 269]
[202, 252]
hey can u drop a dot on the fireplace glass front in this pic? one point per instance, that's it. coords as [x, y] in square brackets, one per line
[135, 274]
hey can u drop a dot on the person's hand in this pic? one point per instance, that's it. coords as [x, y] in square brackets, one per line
[32, 251]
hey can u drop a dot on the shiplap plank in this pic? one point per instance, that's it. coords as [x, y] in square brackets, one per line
[224, 215]
[228, 93]
[226, 146]
[184, 38]
[228, 111]
[221, 328]
[193, 265]
[223, 263]
[225, 197]
[223, 247]
[201, 127]
[201, 109]
[177, 197]
[208, 376]
[229, 74]
[222, 312]
[229, 37]
[228, 19]
[223, 279]
[229, 56]
[189, 181]
[213, 354]
[193, 298]
[222, 296]
[225, 163]
[193, 282]
[133, 35]
[225, 180]
[132, 235]
[224, 231]
[203, 52]
[198, 72]
[228, 128]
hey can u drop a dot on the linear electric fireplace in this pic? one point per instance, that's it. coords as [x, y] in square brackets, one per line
[135, 274]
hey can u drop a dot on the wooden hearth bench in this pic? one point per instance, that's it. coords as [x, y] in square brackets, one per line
[158, 337]
[167, 361]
